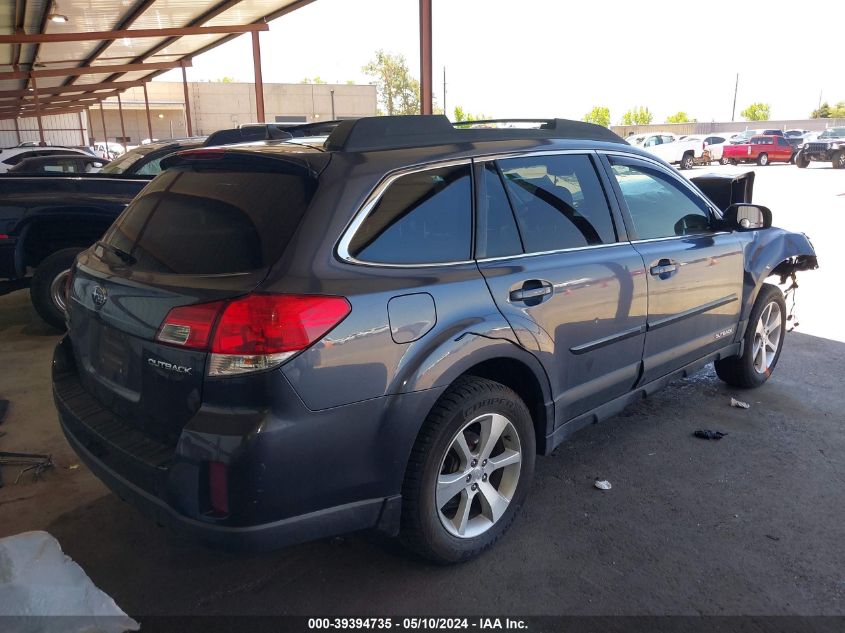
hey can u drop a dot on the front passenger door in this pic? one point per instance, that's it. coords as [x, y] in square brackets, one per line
[694, 273]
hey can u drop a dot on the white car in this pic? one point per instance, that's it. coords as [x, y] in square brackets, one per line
[11, 157]
[670, 147]
[715, 142]
[109, 150]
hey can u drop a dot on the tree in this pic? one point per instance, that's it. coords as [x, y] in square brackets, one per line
[679, 117]
[600, 115]
[398, 91]
[226, 80]
[637, 116]
[463, 117]
[315, 80]
[826, 111]
[756, 112]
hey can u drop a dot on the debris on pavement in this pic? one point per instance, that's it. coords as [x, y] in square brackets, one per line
[739, 404]
[40, 582]
[602, 485]
[31, 462]
[772, 537]
[707, 434]
[73, 467]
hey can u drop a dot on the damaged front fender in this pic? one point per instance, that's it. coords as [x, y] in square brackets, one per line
[771, 252]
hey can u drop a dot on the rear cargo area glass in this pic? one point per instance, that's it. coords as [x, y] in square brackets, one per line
[210, 222]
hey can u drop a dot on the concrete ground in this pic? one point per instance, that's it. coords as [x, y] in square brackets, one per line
[751, 524]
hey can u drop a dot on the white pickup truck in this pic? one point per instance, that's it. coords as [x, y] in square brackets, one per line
[670, 148]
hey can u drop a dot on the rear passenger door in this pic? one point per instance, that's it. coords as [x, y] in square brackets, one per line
[695, 273]
[559, 270]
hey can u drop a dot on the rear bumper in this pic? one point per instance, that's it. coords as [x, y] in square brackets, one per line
[298, 529]
[279, 495]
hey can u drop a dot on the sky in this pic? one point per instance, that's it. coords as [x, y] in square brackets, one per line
[559, 58]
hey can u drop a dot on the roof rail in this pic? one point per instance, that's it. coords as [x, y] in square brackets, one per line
[397, 132]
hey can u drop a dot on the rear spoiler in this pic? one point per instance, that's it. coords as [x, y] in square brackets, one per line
[724, 189]
[268, 132]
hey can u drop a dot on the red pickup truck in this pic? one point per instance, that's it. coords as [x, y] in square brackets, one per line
[760, 149]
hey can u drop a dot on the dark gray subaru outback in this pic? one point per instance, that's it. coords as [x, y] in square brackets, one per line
[278, 343]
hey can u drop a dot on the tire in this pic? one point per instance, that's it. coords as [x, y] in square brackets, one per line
[724, 161]
[763, 159]
[838, 161]
[47, 288]
[468, 406]
[688, 161]
[802, 162]
[746, 371]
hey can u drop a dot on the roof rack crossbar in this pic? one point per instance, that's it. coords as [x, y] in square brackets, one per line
[398, 132]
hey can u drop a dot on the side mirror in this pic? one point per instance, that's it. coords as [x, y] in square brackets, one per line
[747, 217]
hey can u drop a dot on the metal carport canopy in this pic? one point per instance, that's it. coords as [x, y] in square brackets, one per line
[60, 58]
[63, 57]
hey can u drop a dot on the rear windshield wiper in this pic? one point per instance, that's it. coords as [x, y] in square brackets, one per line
[125, 257]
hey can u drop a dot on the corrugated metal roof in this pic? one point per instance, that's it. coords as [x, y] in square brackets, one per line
[31, 17]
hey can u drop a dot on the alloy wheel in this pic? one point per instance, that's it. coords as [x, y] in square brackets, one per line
[58, 290]
[767, 337]
[478, 475]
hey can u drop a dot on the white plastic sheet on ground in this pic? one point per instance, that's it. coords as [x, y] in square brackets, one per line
[43, 590]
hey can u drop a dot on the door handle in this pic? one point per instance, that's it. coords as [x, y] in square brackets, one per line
[533, 289]
[664, 267]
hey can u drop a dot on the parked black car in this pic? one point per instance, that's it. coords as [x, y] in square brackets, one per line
[47, 219]
[828, 147]
[280, 342]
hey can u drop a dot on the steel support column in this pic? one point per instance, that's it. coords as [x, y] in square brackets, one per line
[259, 82]
[147, 108]
[122, 127]
[187, 103]
[426, 78]
[17, 131]
[105, 134]
[81, 129]
[38, 112]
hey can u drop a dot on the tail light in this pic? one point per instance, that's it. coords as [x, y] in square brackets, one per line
[255, 332]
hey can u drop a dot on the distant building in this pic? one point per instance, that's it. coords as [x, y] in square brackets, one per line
[213, 106]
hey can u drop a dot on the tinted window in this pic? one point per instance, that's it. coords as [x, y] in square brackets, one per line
[660, 206]
[422, 218]
[212, 222]
[151, 168]
[558, 202]
[497, 234]
[782, 141]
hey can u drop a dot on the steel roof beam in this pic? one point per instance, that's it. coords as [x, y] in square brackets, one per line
[43, 38]
[56, 90]
[95, 70]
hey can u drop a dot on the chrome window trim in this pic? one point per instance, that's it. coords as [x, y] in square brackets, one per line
[342, 248]
[562, 250]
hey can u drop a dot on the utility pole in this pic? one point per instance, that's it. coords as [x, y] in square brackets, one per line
[736, 88]
[444, 92]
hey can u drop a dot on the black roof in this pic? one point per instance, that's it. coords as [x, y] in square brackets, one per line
[398, 132]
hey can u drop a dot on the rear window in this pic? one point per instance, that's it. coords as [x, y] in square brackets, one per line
[211, 222]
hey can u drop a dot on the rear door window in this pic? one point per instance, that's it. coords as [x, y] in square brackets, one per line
[211, 222]
[558, 202]
[422, 218]
[497, 235]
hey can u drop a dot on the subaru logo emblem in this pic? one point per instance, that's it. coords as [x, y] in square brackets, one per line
[99, 296]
